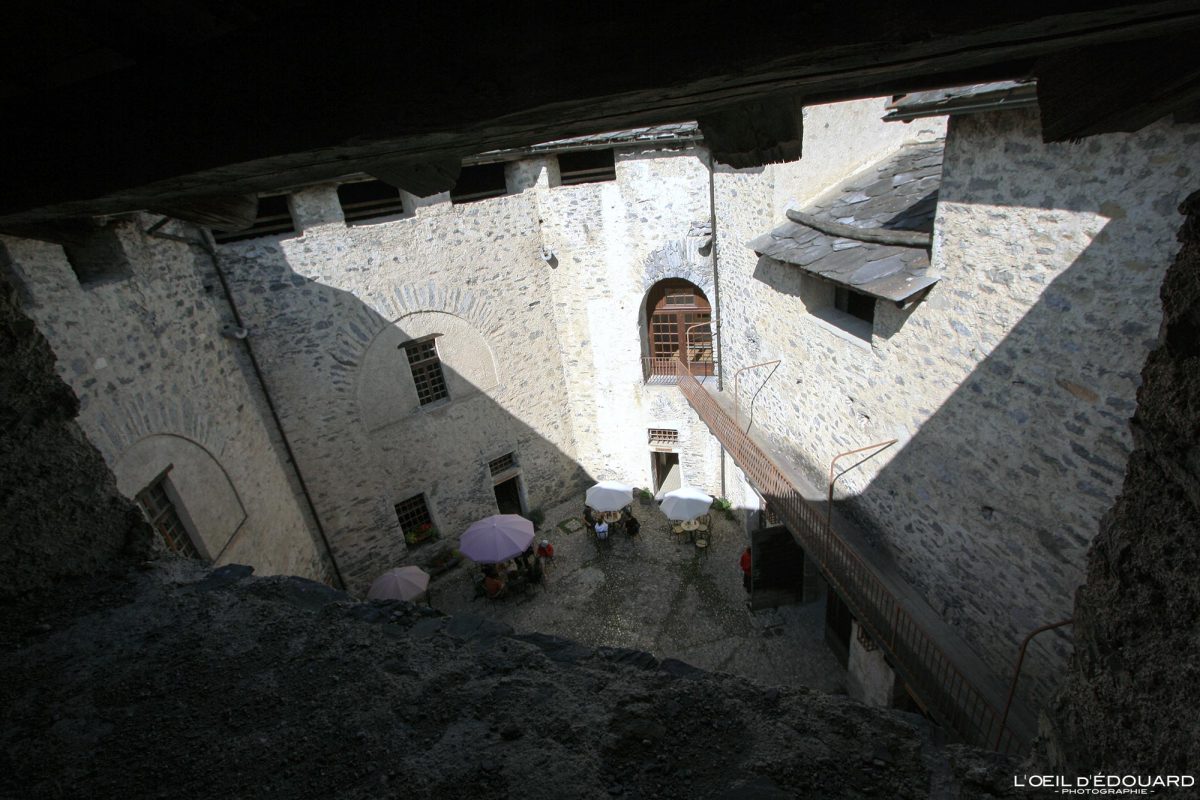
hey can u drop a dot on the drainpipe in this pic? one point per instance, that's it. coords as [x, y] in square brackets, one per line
[720, 351]
[210, 246]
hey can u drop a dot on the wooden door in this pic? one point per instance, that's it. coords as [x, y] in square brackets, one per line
[680, 307]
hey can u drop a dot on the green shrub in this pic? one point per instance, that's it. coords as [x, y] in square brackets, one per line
[537, 517]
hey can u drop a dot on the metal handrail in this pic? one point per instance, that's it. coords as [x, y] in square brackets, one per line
[738, 375]
[829, 501]
[1012, 689]
[940, 686]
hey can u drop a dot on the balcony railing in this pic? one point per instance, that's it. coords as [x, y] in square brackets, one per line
[663, 370]
[946, 693]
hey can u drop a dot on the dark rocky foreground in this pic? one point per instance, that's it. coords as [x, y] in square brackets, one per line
[177, 682]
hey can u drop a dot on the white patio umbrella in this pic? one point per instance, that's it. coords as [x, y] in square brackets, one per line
[401, 583]
[609, 496]
[496, 538]
[686, 502]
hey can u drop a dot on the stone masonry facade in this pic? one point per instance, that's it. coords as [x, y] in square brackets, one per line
[1009, 388]
[159, 388]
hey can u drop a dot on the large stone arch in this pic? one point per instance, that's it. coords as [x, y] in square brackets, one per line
[206, 498]
[363, 321]
[384, 386]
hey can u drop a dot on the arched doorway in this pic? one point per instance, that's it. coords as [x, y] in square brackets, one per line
[679, 319]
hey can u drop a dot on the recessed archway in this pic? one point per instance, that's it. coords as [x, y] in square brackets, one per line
[678, 326]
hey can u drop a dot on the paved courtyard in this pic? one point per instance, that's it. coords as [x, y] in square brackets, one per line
[658, 592]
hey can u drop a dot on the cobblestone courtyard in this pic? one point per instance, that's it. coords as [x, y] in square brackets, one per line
[657, 592]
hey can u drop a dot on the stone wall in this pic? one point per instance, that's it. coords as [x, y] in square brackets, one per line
[1129, 702]
[612, 242]
[1009, 388]
[159, 388]
[330, 307]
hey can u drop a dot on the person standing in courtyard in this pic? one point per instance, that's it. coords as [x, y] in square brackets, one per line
[746, 563]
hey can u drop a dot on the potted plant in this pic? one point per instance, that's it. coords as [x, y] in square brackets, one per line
[420, 534]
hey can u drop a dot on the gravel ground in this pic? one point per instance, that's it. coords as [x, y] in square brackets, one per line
[658, 592]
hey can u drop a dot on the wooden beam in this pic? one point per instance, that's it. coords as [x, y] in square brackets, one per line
[226, 213]
[421, 178]
[872, 235]
[755, 134]
[1119, 87]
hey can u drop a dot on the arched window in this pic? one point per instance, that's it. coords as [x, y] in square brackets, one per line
[679, 318]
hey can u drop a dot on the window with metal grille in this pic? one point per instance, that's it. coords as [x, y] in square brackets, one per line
[365, 200]
[426, 371]
[273, 217]
[413, 513]
[503, 463]
[663, 436]
[586, 166]
[164, 518]
[479, 182]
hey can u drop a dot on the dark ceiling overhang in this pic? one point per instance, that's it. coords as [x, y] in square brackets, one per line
[120, 106]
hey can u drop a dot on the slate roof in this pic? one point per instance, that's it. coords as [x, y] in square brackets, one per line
[962, 100]
[899, 193]
[654, 135]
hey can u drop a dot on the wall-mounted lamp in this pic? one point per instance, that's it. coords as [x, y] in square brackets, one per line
[233, 332]
[549, 257]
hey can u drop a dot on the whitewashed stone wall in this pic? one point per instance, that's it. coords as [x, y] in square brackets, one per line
[612, 242]
[1010, 388]
[158, 386]
[329, 308]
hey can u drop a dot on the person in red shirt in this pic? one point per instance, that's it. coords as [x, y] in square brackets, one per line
[745, 564]
[545, 549]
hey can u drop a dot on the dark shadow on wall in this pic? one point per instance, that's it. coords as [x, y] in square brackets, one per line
[312, 338]
[61, 516]
[990, 507]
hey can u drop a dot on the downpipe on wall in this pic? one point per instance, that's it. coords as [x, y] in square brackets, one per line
[209, 245]
[720, 352]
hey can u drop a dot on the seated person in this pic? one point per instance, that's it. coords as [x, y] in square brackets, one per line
[545, 549]
[601, 530]
[493, 584]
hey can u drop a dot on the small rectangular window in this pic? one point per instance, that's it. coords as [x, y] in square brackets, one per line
[365, 200]
[586, 166]
[426, 371]
[502, 464]
[164, 518]
[413, 515]
[479, 182]
[98, 258]
[856, 304]
[274, 217]
[681, 300]
[664, 436]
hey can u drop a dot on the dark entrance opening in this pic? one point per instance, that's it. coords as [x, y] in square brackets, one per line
[666, 472]
[837, 626]
[508, 496]
[777, 575]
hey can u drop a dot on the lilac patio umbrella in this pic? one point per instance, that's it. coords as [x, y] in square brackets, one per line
[496, 538]
[685, 503]
[401, 583]
[609, 496]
